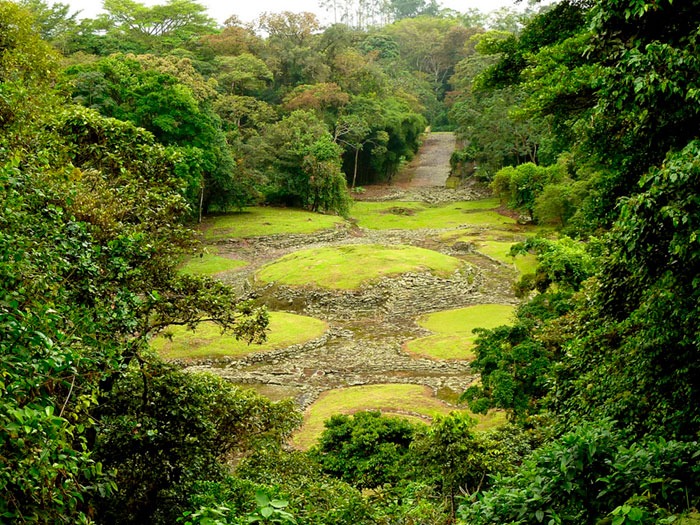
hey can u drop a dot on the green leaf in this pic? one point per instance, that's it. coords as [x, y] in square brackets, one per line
[261, 499]
[636, 514]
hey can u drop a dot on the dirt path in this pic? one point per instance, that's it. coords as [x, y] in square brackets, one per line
[425, 177]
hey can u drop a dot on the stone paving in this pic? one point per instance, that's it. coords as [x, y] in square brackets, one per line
[432, 167]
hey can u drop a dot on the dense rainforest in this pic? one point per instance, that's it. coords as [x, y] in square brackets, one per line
[119, 134]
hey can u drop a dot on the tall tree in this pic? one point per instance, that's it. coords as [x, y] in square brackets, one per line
[242, 74]
[297, 27]
[233, 39]
[55, 22]
[165, 26]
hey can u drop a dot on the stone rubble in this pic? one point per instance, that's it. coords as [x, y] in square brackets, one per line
[407, 295]
[430, 195]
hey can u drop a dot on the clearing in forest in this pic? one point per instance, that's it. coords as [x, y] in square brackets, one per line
[401, 215]
[265, 220]
[440, 258]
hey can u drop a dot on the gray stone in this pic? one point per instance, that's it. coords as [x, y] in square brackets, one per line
[463, 247]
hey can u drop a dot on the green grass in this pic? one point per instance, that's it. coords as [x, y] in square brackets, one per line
[210, 264]
[514, 233]
[501, 252]
[413, 215]
[349, 266]
[414, 402]
[526, 263]
[259, 221]
[496, 244]
[207, 341]
[453, 337]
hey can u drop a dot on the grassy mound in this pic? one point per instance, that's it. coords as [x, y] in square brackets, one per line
[453, 337]
[347, 267]
[526, 263]
[210, 264]
[413, 215]
[207, 341]
[414, 402]
[501, 251]
[258, 221]
[510, 233]
[497, 245]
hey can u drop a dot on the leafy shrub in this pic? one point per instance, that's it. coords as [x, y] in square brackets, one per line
[409, 502]
[587, 474]
[564, 263]
[520, 186]
[558, 203]
[366, 450]
[514, 364]
[451, 453]
[163, 429]
[314, 497]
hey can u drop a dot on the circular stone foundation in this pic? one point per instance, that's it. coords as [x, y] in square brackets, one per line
[453, 338]
[347, 267]
[207, 341]
[414, 402]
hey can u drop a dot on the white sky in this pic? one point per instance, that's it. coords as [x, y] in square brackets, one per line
[249, 10]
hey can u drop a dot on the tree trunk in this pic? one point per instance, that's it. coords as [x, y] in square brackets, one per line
[201, 200]
[354, 172]
[533, 153]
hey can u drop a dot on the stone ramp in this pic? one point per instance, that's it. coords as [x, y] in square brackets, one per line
[431, 167]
